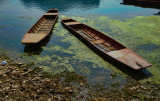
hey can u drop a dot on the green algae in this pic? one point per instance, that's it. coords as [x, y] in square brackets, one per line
[2, 27]
[131, 32]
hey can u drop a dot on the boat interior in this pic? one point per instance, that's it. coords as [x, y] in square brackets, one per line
[43, 25]
[97, 38]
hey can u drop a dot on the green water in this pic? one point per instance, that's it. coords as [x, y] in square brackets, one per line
[134, 27]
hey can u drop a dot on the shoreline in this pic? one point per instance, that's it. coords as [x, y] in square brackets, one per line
[19, 81]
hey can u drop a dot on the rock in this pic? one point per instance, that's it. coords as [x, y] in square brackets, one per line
[81, 84]
[68, 89]
[3, 63]
[1, 73]
[25, 74]
[22, 71]
[40, 67]
[99, 99]
[48, 80]
[15, 72]
[30, 69]
[7, 72]
[15, 86]
[144, 88]
[36, 78]
[0, 82]
[49, 99]
[19, 64]
[4, 75]
[7, 88]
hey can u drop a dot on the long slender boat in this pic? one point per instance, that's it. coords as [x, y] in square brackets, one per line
[143, 3]
[41, 29]
[105, 45]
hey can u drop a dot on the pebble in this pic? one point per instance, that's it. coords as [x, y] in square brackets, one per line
[48, 80]
[3, 63]
[19, 64]
[15, 72]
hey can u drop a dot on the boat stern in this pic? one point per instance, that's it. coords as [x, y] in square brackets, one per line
[33, 38]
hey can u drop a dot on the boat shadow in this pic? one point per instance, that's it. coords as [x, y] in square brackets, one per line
[135, 74]
[36, 49]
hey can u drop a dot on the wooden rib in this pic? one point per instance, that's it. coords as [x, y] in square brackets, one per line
[40, 27]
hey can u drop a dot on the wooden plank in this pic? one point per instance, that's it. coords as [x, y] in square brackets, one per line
[33, 38]
[51, 13]
[72, 23]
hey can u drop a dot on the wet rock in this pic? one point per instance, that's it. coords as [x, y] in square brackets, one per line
[19, 64]
[48, 80]
[15, 72]
[31, 69]
[135, 100]
[49, 99]
[144, 88]
[68, 89]
[99, 99]
[15, 86]
[7, 72]
[6, 88]
[4, 75]
[40, 67]
[25, 74]
[36, 78]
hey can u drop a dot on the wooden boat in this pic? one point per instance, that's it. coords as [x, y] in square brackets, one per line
[41, 29]
[143, 3]
[106, 46]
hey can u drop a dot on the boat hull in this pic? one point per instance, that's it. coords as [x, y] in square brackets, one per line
[41, 29]
[143, 3]
[114, 55]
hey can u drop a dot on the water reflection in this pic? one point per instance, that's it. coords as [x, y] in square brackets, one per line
[63, 5]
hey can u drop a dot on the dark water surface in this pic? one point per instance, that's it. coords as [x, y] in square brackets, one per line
[17, 16]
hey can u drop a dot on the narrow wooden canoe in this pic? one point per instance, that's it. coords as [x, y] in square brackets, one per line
[106, 46]
[145, 3]
[41, 29]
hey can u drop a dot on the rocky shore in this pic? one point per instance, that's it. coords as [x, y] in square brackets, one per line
[23, 82]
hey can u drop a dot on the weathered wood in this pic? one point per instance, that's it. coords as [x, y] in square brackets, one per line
[41, 29]
[105, 45]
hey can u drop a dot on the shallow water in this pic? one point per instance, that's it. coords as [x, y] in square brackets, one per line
[130, 25]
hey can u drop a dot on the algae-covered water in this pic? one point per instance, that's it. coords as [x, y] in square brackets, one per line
[135, 27]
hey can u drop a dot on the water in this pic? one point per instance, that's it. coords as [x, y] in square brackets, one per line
[62, 51]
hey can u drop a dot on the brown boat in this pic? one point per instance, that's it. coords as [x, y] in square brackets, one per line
[143, 3]
[41, 29]
[106, 46]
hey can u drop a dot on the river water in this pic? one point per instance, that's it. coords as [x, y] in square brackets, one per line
[65, 52]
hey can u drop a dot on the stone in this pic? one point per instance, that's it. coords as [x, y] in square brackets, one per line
[30, 69]
[48, 80]
[20, 64]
